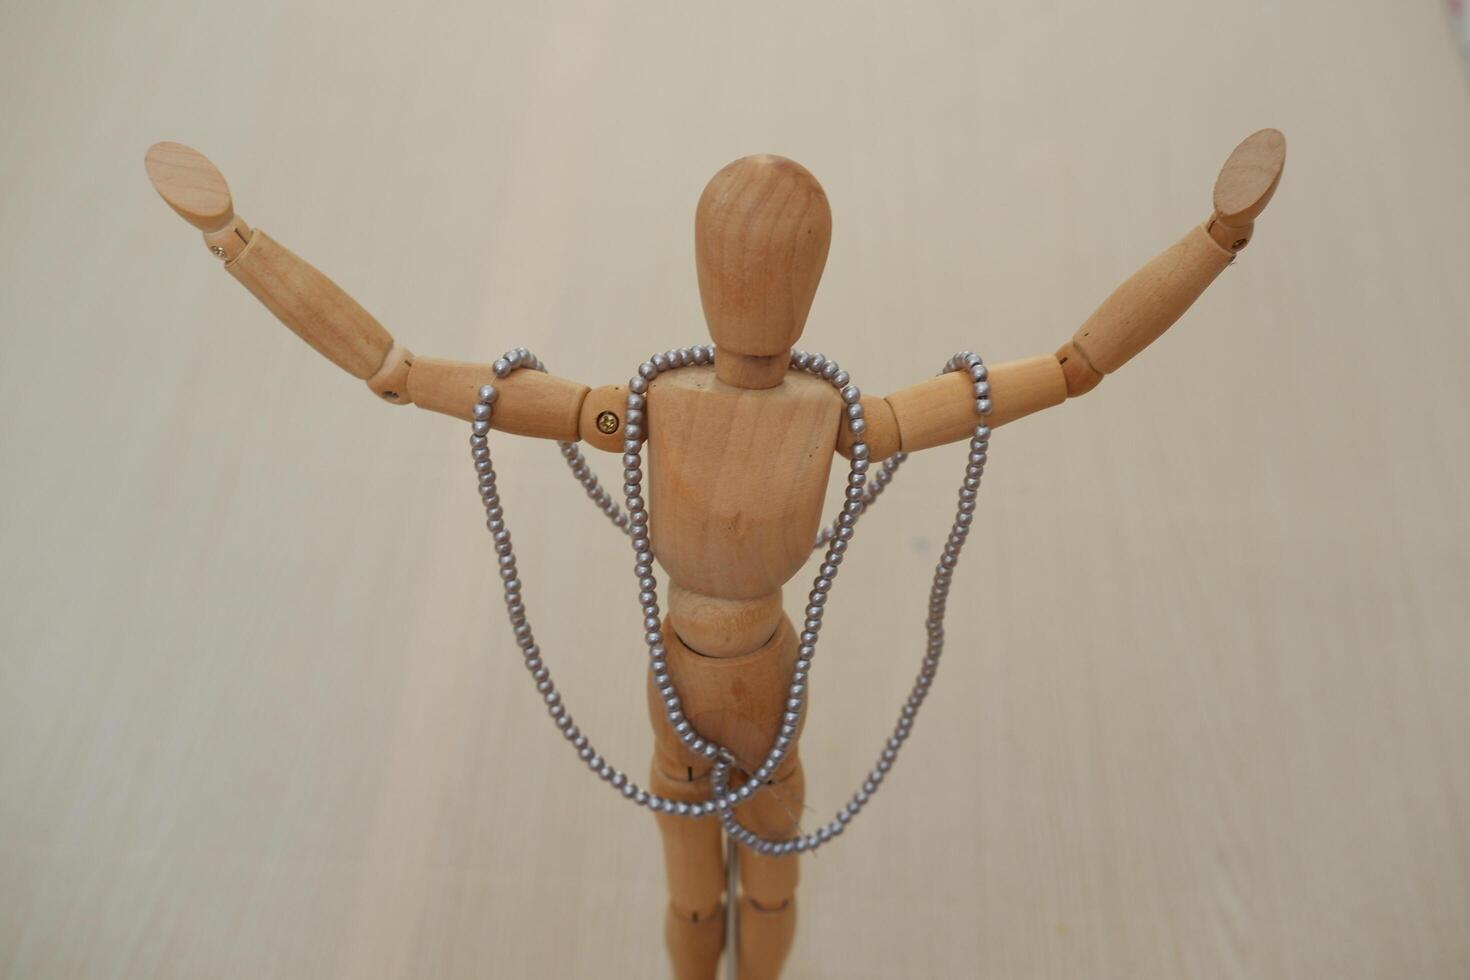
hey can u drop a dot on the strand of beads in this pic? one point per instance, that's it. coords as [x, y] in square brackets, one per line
[860, 492]
[871, 492]
[483, 412]
[521, 357]
[934, 626]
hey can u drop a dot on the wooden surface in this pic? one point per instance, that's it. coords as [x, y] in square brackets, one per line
[713, 528]
[762, 230]
[190, 184]
[1204, 708]
[315, 309]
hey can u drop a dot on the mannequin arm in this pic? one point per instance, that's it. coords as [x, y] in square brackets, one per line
[321, 313]
[942, 409]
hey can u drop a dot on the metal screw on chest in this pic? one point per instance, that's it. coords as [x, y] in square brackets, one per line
[607, 423]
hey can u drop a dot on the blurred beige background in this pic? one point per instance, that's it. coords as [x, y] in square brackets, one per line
[1204, 711]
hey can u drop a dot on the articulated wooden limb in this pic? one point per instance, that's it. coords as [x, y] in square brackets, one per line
[321, 313]
[694, 866]
[1153, 298]
[941, 410]
[733, 690]
[767, 911]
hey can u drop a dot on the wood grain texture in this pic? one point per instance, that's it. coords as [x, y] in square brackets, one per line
[1250, 177]
[765, 937]
[882, 436]
[761, 233]
[722, 627]
[694, 858]
[316, 309]
[530, 403]
[390, 381]
[1202, 713]
[738, 701]
[1150, 301]
[1245, 186]
[775, 812]
[190, 184]
[942, 409]
[736, 479]
[695, 944]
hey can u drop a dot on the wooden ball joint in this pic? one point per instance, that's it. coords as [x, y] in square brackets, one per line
[738, 461]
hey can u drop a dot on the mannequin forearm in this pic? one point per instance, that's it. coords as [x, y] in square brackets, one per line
[326, 317]
[942, 409]
[1141, 309]
[1137, 313]
[315, 308]
[321, 313]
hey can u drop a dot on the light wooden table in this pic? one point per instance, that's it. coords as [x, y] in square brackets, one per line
[259, 713]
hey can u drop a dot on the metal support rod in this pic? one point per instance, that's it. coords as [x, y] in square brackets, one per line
[732, 910]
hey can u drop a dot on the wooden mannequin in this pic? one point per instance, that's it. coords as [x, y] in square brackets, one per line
[739, 456]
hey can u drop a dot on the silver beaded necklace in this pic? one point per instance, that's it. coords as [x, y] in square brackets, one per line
[860, 493]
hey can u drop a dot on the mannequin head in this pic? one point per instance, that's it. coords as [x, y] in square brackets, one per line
[761, 233]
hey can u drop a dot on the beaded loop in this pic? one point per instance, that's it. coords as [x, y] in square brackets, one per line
[633, 521]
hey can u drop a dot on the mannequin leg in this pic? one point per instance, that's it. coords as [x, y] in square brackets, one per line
[768, 885]
[738, 701]
[694, 863]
